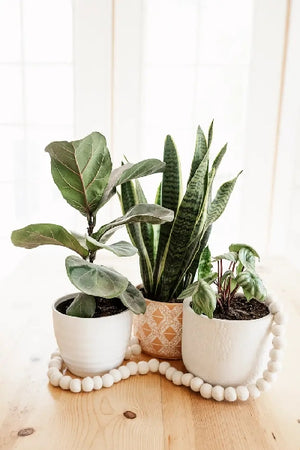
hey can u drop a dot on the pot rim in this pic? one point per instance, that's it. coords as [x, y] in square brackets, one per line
[68, 297]
[187, 302]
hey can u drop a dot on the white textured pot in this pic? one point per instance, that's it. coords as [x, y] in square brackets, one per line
[225, 352]
[90, 346]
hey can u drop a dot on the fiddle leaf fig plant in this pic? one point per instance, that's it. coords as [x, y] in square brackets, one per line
[240, 274]
[169, 253]
[82, 171]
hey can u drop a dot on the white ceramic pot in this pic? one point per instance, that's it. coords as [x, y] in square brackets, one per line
[225, 352]
[91, 346]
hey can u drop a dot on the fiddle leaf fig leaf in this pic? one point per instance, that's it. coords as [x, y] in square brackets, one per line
[189, 291]
[81, 171]
[83, 305]
[133, 299]
[47, 234]
[95, 280]
[204, 299]
[121, 248]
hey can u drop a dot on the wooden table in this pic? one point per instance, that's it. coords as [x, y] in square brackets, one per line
[167, 416]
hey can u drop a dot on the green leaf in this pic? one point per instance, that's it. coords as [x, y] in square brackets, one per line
[205, 264]
[229, 256]
[219, 157]
[146, 228]
[158, 195]
[47, 234]
[252, 285]
[133, 299]
[238, 247]
[226, 275]
[211, 277]
[138, 213]
[210, 134]
[247, 258]
[121, 248]
[81, 170]
[129, 172]
[220, 201]
[95, 280]
[204, 299]
[189, 291]
[200, 152]
[83, 305]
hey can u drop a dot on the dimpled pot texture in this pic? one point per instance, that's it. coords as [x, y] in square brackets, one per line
[91, 346]
[225, 352]
[159, 329]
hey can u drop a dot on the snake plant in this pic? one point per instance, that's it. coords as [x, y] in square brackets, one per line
[169, 253]
[82, 170]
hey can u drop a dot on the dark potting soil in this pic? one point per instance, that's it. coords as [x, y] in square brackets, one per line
[241, 309]
[104, 306]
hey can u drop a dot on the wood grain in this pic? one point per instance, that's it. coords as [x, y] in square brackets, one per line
[167, 416]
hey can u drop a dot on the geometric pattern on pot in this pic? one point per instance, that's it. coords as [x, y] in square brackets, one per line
[160, 328]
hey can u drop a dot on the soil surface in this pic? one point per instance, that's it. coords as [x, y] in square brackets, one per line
[241, 309]
[104, 306]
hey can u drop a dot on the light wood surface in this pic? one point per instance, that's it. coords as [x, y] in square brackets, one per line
[168, 417]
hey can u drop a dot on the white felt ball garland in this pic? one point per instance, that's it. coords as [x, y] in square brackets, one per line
[196, 384]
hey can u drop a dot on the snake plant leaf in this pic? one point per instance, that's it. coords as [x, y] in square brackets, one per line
[247, 258]
[158, 195]
[129, 172]
[200, 152]
[189, 291]
[220, 201]
[252, 285]
[83, 305]
[204, 299]
[238, 247]
[95, 280]
[81, 170]
[133, 299]
[205, 264]
[121, 248]
[138, 213]
[219, 157]
[47, 234]
[210, 134]
[229, 256]
[146, 227]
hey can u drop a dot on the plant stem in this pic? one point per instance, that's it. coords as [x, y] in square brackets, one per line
[91, 225]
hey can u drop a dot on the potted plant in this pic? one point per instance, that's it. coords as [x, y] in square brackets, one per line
[93, 326]
[226, 335]
[169, 253]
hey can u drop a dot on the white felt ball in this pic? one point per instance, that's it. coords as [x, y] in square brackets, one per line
[242, 393]
[52, 370]
[107, 380]
[176, 377]
[54, 378]
[163, 367]
[128, 353]
[277, 330]
[57, 353]
[136, 349]
[55, 363]
[278, 342]
[125, 372]
[274, 366]
[254, 392]
[64, 382]
[217, 393]
[143, 367]
[280, 318]
[116, 375]
[275, 307]
[133, 367]
[230, 394]
[153, 365]
[205, 390]
[269, 299]
[169, 373]
[275, 354]
[196, 384]
[75, 385]
[87, 384]
[269, 376]
[187, 378]
[134, 340]
[97, 382]
[262, 384]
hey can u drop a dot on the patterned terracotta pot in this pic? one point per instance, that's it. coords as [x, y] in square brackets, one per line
[159, 329]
